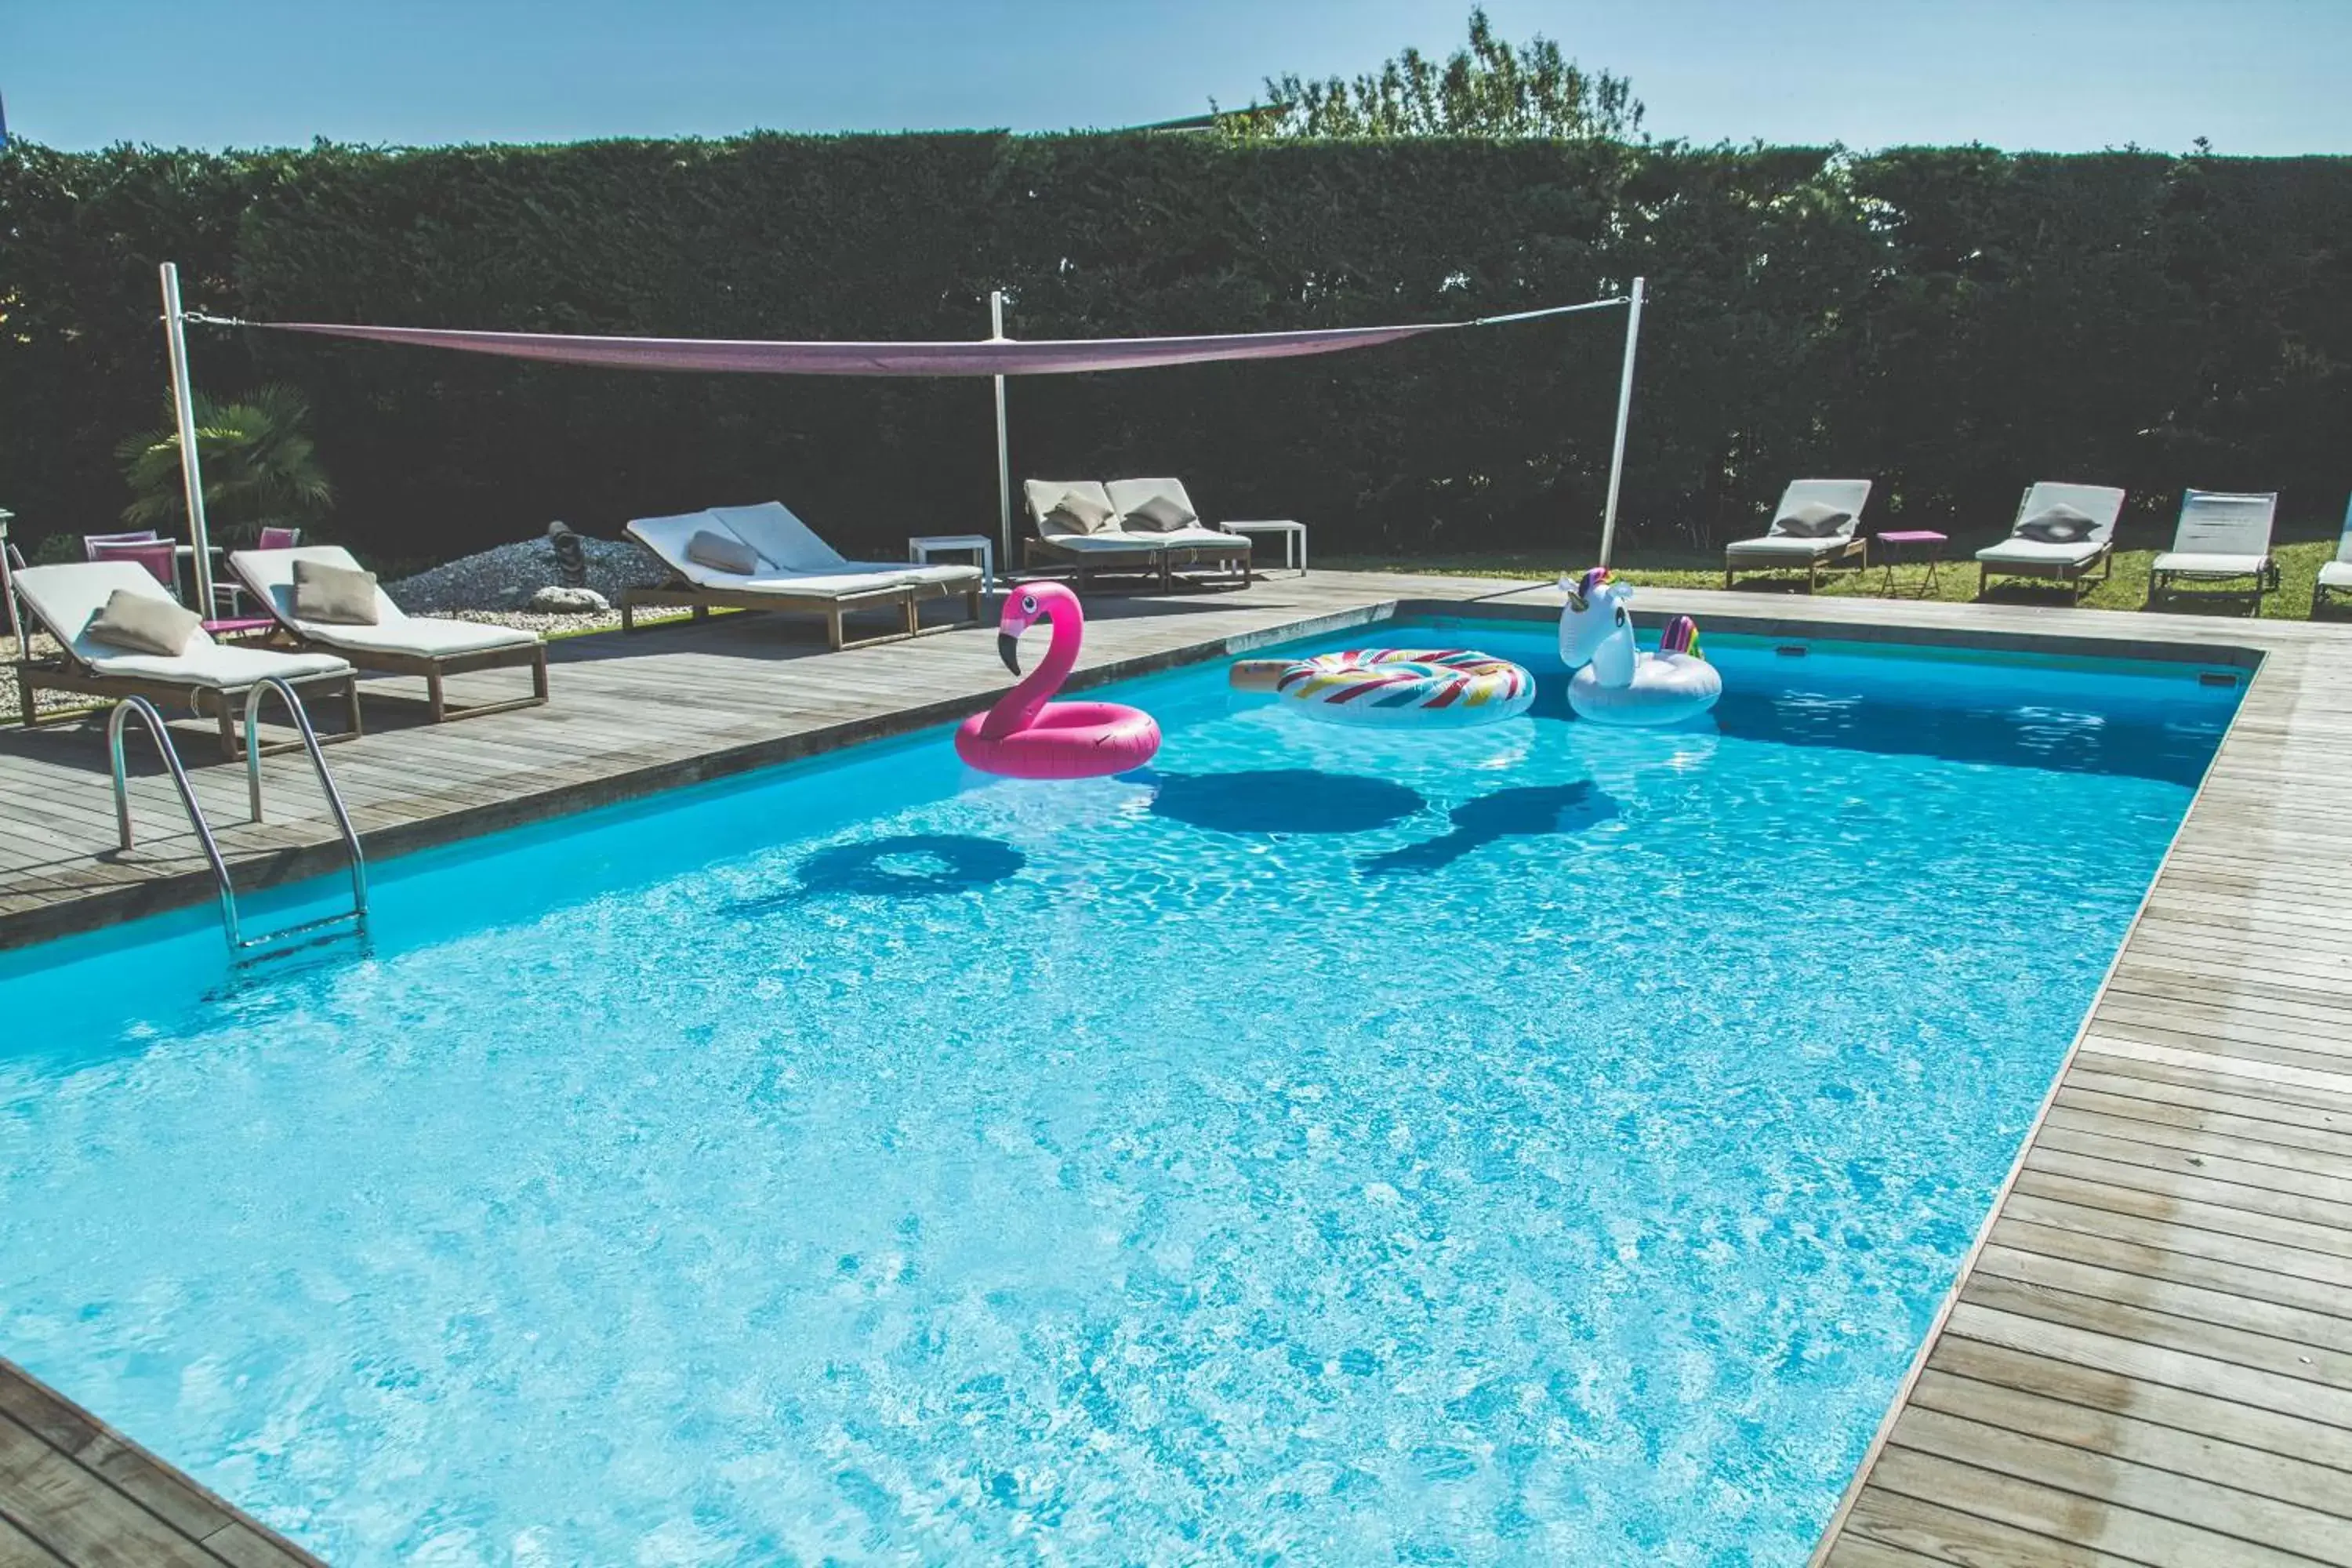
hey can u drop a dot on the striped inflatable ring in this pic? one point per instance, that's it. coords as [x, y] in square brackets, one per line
[1425, 687]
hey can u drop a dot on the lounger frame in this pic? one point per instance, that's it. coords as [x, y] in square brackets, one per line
[2166, 586]
[2079, 574]
[1159, 561]
[66, 673]
[907, 598]
[1856, 545]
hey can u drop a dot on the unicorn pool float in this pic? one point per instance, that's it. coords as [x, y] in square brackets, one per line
[1394, 687]
[1027, 736]
[1615, 682]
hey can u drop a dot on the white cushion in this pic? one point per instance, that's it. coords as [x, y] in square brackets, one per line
[2017, 552]
[1202, 538]
[781, 538]
[2335, 575]
[421, 636]
[1111, 542]
[1786, 547]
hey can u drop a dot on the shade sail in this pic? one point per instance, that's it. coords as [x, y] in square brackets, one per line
[997, 356]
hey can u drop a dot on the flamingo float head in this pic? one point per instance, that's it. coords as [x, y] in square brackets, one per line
[1028, 604]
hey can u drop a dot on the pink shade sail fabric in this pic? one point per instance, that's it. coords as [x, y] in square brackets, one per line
[995, 356]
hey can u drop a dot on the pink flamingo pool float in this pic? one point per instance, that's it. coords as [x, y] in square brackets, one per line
[1027, 736]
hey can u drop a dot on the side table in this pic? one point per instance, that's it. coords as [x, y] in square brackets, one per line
[1293, 534]
[920, 549]
[1909, 546]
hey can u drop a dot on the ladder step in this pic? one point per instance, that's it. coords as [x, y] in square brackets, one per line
[355, 919]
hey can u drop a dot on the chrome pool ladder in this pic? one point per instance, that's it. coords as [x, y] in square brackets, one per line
[244, 949]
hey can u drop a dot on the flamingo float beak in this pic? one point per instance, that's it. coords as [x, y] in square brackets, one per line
[1008, 649]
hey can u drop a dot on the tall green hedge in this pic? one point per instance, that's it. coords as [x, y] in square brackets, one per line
[1953, 323]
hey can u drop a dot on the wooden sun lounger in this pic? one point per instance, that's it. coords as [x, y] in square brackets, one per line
[791, 551]
[908, 599]
[268, 576]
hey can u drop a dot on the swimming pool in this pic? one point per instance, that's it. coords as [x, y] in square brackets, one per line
[1538, 1144]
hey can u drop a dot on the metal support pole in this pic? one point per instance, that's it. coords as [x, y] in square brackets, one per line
[1003, 448]
[192, 474]
[8, 585]
[1624, 412]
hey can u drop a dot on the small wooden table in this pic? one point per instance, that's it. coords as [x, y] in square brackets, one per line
[1292, 533]
[1909, 546]
[920, 549]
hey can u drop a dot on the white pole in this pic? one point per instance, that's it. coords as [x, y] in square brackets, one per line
[1624, 412]
[1003, 449]
[192, 474]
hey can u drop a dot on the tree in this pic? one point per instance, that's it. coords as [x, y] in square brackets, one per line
[259, 465]
[1489, 89]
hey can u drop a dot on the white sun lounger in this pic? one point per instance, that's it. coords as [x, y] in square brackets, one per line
[1782, 546]
[399, 642]
[1122, 542]
[2070, 561]
[2334, 576]
[211, 678]
[795, 571]
[2221, 537]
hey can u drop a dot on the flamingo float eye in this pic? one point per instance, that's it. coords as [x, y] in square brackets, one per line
[1029, 603]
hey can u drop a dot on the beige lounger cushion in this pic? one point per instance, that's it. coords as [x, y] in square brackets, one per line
[2335, 575]
[338, 595]
[66, 598]
[1069, 508]
[723, 552]
[141, 623]
[274, 576]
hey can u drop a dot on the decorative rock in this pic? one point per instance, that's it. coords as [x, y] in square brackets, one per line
[556, 600]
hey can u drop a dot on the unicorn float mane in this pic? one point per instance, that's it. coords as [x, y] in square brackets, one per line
[1680, 636]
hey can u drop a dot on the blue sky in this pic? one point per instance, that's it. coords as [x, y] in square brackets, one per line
[2254, 76]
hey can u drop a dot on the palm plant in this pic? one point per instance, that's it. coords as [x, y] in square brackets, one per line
[259, 465]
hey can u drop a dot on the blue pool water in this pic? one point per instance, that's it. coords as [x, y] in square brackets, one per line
[1543, 1144]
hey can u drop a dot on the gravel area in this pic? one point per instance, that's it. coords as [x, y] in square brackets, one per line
[505, 578]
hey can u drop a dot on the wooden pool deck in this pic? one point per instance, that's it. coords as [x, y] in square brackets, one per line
[2148, 1358]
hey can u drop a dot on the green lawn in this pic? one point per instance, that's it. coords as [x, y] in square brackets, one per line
[1955, 579]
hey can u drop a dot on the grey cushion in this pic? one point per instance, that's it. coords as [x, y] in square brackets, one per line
[333, 596]
[1075, 513]
[144, 623]
[2059, 525]
[1163, 514]
[1811, 521]
[723, 552]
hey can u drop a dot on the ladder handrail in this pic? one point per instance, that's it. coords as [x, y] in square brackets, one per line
[319, 765]
[115, 723]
